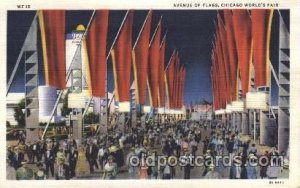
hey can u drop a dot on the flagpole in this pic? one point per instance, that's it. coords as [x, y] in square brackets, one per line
[170, 59]
[142, 29]
[154, 34]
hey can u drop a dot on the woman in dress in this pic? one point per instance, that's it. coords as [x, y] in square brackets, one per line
[81, 167]
[110, 169]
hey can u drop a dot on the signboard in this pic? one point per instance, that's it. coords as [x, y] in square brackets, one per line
[257, 100]
[237, 106]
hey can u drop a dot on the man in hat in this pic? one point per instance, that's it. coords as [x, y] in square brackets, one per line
[24, 172]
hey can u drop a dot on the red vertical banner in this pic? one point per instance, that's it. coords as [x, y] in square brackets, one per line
[183, 87]
[140, 54]
[221, 71]
[261, 31]
[213, 84]
[162, 90]
[180, 73]
[175, 82]
[169, 72]
[182, 84]
[154, 65]
[242, 32]
[53, 30]
[226, 66]
[218, 77]
[232, 52]
[96, 49]
[121, 59]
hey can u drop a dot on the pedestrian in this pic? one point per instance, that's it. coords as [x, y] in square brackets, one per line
[252, 149]
[62, 170]
[186, 161]
[110, 169]
[230, 145]
[40, 174]
[91, 155]
[154, 168]
[24, 172]
[237, 170]
[17, 159]
[212, 173]
[236, 144]
[274, 169]
[220, 168]
[49, 161]
[166, 171]
[132, 164]
[29, 152]
[60, 154]
[264, 165]
[81, 167]
[143, 170]
[205, 144]
[194, 147]
[72, 159]
[208, 160]
[251, 167]
[101, 155]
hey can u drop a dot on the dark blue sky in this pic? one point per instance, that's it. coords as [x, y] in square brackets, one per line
[189, 31]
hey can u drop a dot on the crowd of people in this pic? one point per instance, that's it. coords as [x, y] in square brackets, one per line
[128, 153]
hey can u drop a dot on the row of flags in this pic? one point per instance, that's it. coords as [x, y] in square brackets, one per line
[240, 49]
[146, 55]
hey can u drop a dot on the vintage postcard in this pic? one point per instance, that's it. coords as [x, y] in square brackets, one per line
[173, 93]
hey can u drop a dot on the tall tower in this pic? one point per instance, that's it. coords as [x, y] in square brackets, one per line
[31, 83]
[284, 87]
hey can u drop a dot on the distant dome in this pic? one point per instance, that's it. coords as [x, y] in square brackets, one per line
[80, 27]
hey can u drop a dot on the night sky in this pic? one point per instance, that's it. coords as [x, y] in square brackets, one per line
[189, 31]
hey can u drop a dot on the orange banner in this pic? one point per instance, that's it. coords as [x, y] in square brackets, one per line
[96, 48]
[121, 59]
[162, 90]
[53, 30]
[242, 31]
[221, 70]
[226, 65]
[153, 74]
[261, 30]
[140, 54]
[169, 72]
[232, 52]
